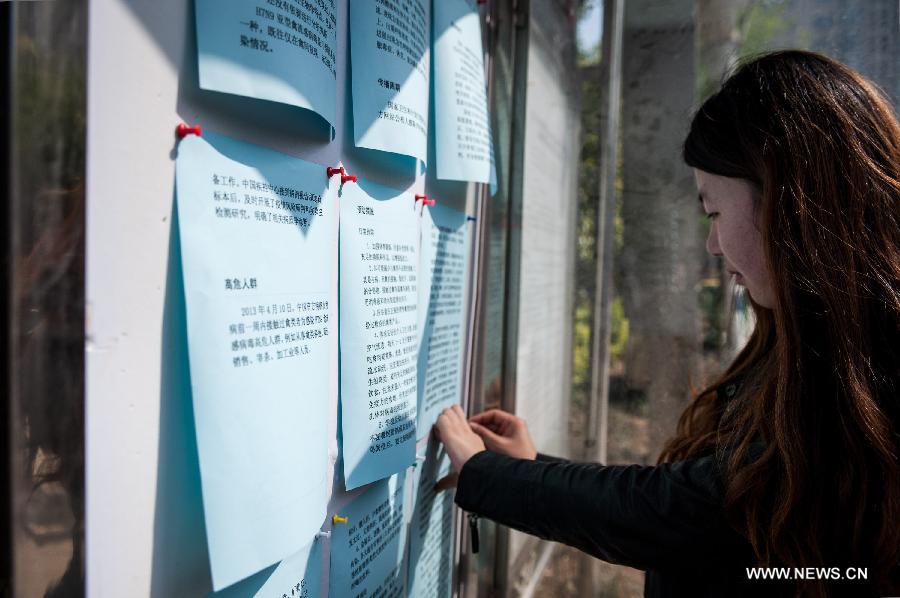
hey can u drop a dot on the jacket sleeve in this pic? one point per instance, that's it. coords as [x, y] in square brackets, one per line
[647, 517]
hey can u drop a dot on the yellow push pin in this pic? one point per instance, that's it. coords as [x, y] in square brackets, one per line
[338, 519]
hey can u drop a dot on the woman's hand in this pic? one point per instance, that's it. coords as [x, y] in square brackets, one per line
[459, 440]
[504, 433]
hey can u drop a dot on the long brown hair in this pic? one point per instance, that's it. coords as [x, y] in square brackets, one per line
[822, 146]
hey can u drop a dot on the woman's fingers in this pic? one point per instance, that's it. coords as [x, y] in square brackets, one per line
[499, 422]
[491, 417]
[458, 413]
[444, 427]
[451, 423]
[457, 437]
[450, 419]
[490, 438]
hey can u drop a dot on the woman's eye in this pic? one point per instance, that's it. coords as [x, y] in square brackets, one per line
[712, 215]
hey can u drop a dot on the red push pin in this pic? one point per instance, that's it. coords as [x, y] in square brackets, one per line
[348, 177]
[421, 197]
[182, 130]
[333, 171]
[429, 202]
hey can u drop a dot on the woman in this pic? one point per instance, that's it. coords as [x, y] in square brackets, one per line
[797, 161]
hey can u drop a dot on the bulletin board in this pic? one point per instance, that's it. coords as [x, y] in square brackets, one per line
[146, 531]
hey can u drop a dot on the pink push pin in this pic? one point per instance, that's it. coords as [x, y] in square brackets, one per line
[429, 202]
[421, 197]
[333, 171]
[348, 177]
[182, 130]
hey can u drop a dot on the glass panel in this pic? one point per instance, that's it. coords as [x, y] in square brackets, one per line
[46, 286]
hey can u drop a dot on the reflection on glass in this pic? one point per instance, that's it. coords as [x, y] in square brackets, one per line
[47, 298]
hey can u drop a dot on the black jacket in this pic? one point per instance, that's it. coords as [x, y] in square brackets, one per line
[664, 519]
